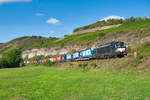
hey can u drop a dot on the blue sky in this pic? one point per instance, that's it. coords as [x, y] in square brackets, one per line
[57, 18]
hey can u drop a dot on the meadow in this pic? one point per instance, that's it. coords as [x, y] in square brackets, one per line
[51, 83]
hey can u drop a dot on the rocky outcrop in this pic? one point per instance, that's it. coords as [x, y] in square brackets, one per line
[51, 51]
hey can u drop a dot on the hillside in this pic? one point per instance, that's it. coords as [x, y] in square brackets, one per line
[133, 31]
[107, 22]
[25, 43]
[96, 29]
[100, 24]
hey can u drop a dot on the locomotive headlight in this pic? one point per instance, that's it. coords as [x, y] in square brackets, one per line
[120, 50]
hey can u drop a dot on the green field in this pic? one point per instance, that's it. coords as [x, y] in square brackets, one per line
[45, 83]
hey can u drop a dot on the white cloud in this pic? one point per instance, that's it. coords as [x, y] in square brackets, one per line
[40, 14]
[52, 32]
[113, 17]
[9, 1]
[148, 17]
[53, 21]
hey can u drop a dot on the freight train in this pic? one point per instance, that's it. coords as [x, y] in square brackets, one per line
[109, 50]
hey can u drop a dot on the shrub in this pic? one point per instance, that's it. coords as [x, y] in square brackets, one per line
[2, 63]
[11, 59]
[144, 50]
[71, 64]
[80, 65]
[129, 50]
[49, 63]
[83, 65]
[136, 62]
[94, 65]
[62, 45]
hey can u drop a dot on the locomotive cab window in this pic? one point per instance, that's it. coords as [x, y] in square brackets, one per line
[112, 46]
[120, 45]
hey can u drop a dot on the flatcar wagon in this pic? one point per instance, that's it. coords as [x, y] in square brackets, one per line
[86, 54]
[51, 59]
[76, 56]
[54, 59]
[43, 61]
[69, 57]
[37, 61]
[63, 58]
[58, 59]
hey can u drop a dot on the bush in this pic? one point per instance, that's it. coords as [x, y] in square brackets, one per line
[83, 65]
[136, 62]
[62, 45]
[144, 50]
[94, 65]
[80, 65]
[2, 63]
[129, 50]
[49, 63]
[71, 64]
[11, 59]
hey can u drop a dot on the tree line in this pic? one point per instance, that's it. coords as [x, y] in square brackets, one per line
[11, 59]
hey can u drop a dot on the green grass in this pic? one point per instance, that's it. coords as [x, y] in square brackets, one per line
[44, 83]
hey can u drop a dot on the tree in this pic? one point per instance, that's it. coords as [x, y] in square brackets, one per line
[11, 59]
[132, 19]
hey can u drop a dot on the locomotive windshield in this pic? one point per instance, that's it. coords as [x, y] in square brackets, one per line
[120, 45]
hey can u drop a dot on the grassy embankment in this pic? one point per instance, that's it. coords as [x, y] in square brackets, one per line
[40, 83]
